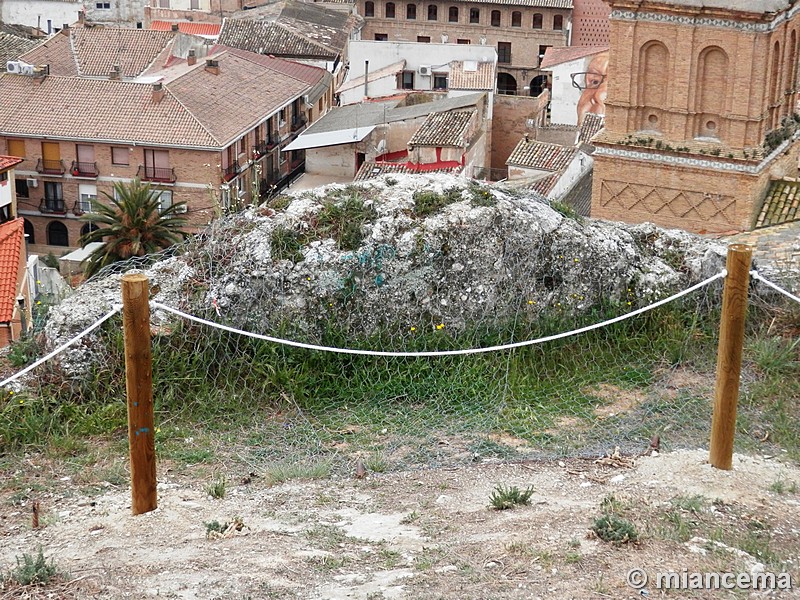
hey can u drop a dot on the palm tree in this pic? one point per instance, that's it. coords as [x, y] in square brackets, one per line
[132, 224]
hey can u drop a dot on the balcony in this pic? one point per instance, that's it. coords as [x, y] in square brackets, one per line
[50, 167]
[273, 139]
[84, 169]
[159, 174]
[53, 206]
[231, 171]
[81, 206]
[259, 150]
[299, 121]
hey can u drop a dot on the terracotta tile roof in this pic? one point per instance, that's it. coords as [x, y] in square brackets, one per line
[97, 49]
[541, 156]
[6, 162]
[443, 129]
[98, 110]
[590, 126]
[531, 3]
[247, 89]
[579, 196]
[92, 51]
[11, 240]
[12, 46]
[56, 52]
[271, 38]
[189, 27]
[372, 169]
[471, 75]
[782, 204]
[557, 56]
[243, 94]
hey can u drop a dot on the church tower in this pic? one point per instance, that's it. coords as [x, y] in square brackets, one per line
[701, 112]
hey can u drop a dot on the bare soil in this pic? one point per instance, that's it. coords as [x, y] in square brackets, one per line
[420, 534]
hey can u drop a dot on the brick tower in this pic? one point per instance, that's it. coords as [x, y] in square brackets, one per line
[700, 111]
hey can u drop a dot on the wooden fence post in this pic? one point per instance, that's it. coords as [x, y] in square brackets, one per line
[139, 386]
[729, 355]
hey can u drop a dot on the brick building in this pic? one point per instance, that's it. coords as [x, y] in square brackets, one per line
[590, 23]
[520, 30]
[698, 113]
[208, 132]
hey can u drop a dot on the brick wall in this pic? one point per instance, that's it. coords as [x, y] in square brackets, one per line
[591, 24]
[509, 123]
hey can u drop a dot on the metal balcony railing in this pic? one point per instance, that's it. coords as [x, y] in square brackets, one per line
[50, 167]
[231, 171]
[161, 174]
[52, 205]
[84, 169]
[299, 121]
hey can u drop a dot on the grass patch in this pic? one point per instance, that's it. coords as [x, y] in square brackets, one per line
[344, 220]
[216, 489]
[611, 528]
[427, 202]
[286, 243]
[503, 498]
[34, 569]
[288, 471]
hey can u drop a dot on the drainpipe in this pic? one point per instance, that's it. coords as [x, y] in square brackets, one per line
[366, 78]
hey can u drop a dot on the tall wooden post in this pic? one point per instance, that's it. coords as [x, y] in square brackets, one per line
[139, 386]
[729, 355]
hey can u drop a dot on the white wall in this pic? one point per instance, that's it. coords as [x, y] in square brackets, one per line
[334, 161]
[580, 164]
[37, 13]
[564, 103]
[6, 190]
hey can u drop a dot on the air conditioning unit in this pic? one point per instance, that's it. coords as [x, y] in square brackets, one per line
[181, 209]
[19, 67]
[33, 182]
[424, 70]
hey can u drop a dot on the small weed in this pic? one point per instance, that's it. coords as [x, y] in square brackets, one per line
[573, 557]
[216, 488]
[482, 196]
[23, 351]
[692, 504]
[503, 498]
[566, 210]
[775, 354]
[610, 505]
[34, 569]
[574, 543]
[288, 471]
[344, 221]
[376, 463]
[287, 244]
[280, 202]
[519, 548]
[391, 558]
[427, 202]
[411, 517]
[326, 537]
[779, 486]
[215, 529]
[611, 528]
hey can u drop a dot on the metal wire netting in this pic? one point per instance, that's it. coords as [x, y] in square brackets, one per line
[273, 405]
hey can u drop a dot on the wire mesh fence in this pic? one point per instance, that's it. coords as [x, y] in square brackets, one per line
[275, 406]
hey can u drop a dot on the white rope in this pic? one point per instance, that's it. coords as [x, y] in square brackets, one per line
[62, 347]
[775, 287]
[431, 353]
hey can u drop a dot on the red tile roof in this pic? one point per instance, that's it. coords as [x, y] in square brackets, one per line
[6, 162]
[56, 52]
[541, 155]
[557, 56]
[202, 29]
[444, 129]
[471, 75]
[11, 240]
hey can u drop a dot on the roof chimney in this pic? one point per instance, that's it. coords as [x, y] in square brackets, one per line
[116, 73]
[65, 26]
[174, 27]
[212, 66]
[81, 16]
[192, 58]
[40, 72]
[158, 92]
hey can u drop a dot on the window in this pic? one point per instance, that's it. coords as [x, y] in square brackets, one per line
[194, 4]
[86, 193]
[164, 199]
[406, 80]
[462, 41]
[156, 166]
[120, 156]
[433, 12]
[411, 12]
[558, 22]
[504, 52]
[440, 81]
[102, 5]
[29, 231]
[163, 3]
[390, 10]
[474, 15]
[16, 148]
[88, 228]
[57, 234]
[542, 50]
[452, 14]
[53, 197]
[21, 184]
[282, 116]
[516, 19]
[3, 176]
[381, 37]
[537, 21]
[424, 39]
[495, 18]
[369, 9]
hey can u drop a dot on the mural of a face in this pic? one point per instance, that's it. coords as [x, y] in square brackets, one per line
[594, 87]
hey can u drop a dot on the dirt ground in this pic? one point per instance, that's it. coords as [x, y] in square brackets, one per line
[421, 534]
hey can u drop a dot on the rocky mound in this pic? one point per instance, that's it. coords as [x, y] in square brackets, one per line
[404, 252]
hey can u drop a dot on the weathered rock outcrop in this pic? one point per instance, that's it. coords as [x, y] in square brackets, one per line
[400, 252]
